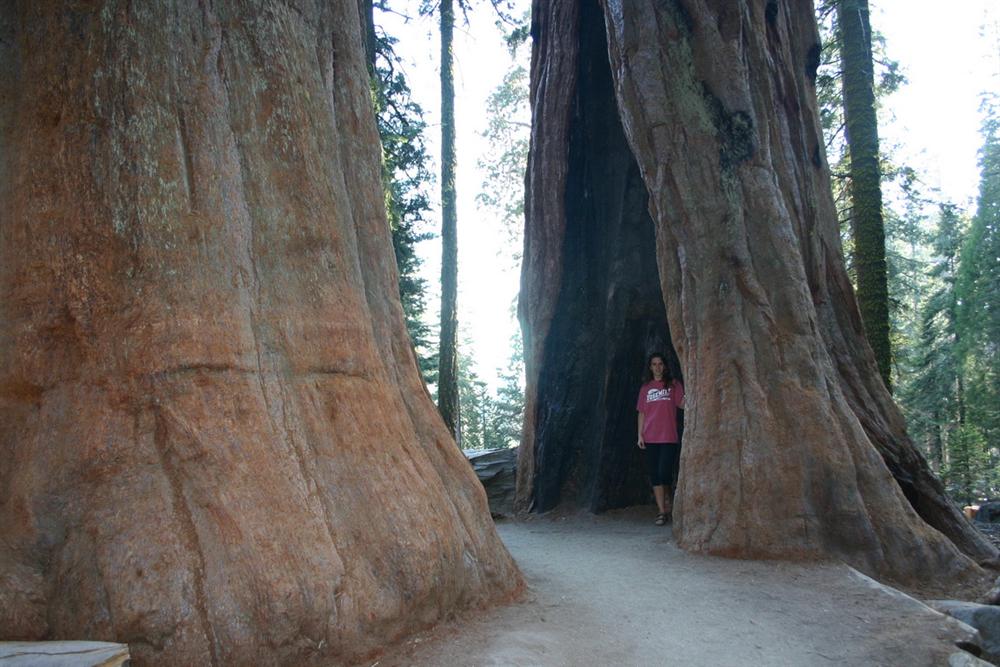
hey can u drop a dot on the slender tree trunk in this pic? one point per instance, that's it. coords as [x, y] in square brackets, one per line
[366, 14]
[868, 230]
[448, 400]
[215, 444]
[792, 441]
[960, 398]
[937, 445]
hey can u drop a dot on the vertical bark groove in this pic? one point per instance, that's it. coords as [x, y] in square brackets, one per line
[190, 532]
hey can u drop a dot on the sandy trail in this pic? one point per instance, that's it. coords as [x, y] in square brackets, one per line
[615, 590]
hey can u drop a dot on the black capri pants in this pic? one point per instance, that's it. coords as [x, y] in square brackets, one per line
[662, 461]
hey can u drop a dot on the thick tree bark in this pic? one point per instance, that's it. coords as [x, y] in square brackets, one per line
[858, 79]
[448, 349]
[788, 415]
[214, 441]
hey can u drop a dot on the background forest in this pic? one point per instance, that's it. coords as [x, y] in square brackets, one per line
[941, 288]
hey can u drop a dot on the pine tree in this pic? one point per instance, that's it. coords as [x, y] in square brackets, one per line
[507, 133]
[936, 395]
[508, 412]
[448, 393]
[966, 474]
[979, 291]
[910, 260]
[830, 95]
[490, 421]
[474, 399]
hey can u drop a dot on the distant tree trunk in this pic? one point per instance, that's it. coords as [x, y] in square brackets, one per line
[858, 79]
[448, 359]
[960, 395]
[937, 444]
[788, 415]
[214, 441]
[366, 13]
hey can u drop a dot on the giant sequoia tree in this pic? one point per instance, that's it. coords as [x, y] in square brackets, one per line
[793, 447]
[214, 441]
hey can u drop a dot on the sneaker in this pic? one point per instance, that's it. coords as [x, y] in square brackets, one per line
[660, 519]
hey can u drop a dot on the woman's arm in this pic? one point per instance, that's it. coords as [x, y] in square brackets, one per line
[642, 444]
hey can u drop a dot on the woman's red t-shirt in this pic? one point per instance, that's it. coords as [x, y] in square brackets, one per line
[659, 406]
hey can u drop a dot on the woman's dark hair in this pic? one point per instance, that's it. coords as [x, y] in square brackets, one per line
[647, 376]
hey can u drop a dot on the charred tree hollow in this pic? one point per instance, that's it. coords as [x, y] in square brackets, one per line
[609, 312]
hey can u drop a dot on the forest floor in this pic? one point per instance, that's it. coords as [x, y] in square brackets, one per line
[614, 589]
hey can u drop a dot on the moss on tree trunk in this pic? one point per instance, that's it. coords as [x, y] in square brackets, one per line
[867, 228]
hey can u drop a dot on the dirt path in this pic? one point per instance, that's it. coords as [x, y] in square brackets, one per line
[615, 590]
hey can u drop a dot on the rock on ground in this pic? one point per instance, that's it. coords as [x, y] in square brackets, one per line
[63, 654]
[497, 470]
[984, 618]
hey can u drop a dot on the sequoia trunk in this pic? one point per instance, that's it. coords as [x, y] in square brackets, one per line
[214, 441]
[788, 416]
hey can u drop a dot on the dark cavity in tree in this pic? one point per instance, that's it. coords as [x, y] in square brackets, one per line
[771, 12]
[682, 17]
[817, 158]
[736, 131]
[609, 313]
[813, 58]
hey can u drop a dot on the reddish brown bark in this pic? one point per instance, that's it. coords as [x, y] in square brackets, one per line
[214, 441]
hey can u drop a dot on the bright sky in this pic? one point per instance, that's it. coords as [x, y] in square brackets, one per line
[487, 283]
[950, 55]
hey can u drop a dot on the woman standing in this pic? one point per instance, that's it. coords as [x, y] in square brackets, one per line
[659, 399]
